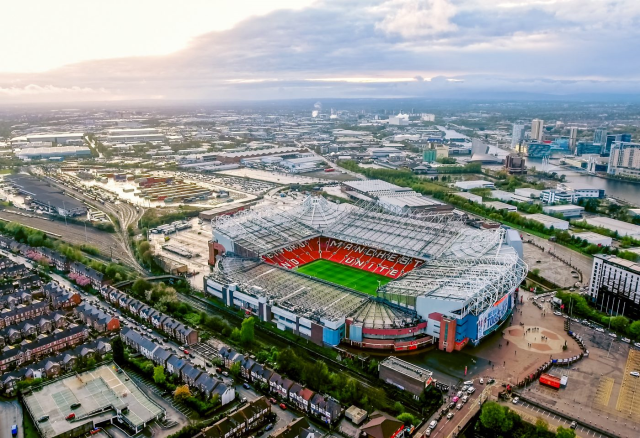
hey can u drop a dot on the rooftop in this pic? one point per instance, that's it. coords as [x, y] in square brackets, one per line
[406, 368]
[97, 389]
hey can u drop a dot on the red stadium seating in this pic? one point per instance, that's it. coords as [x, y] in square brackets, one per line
[358, 256]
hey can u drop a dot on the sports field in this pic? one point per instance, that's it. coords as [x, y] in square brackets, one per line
[353, 278]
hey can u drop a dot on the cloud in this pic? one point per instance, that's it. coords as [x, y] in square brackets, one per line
[416, 18]
[368, 48]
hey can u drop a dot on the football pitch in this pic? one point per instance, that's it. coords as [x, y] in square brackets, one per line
[347, 276]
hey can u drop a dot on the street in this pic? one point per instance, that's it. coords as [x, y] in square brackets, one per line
[10, 414]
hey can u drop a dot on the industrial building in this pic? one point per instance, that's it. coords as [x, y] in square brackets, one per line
[595, 238]
[53, 137]
[549, 221]
[404, 375]
[103, 396]
[614, 286]
[450, 283]
[500, 206]
[391, 196]
[40, 153]
[46, 197]
[568, 211]
[477, 184]
[622, 228]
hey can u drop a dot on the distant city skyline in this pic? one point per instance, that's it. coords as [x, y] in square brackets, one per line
[213, 50]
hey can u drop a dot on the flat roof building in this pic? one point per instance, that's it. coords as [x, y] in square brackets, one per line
[569, 211]
[595, 238]
[477, 184]
[549, 221]
[500, 206]
[622, 228]
[404, 375]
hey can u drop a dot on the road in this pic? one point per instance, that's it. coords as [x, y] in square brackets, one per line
[10, 414]
[446, 426]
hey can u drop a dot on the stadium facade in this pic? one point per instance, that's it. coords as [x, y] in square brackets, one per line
[447, 283]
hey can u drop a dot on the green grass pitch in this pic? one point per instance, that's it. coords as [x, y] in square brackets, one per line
[363, 281]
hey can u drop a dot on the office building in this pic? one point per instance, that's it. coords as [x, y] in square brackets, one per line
[566, 211]
[537, 129]
[538, 150]
[517, 135]
[624, 159]
[573, 138]
[515, 165]
[614, 286]
[399, 120]
[600, 136]
[612, 138]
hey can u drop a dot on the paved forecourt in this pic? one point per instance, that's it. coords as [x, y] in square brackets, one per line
[347, 276]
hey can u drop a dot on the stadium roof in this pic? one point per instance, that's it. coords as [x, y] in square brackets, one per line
[263, 230]
[477, 282]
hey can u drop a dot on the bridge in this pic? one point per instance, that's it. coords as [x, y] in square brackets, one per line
[127, 283]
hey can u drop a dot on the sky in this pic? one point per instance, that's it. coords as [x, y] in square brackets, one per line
[216, 50]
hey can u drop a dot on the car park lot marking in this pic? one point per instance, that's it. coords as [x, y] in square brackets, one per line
[603, 392]
[629, 398]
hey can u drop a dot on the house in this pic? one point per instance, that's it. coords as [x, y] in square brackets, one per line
[326, 409]
[186, 335]
[300, 397]
[175, 365]
[21, 313]
[382, 425]
[226, 393]
[248, 418]
[9, 381]
[260, 374]
[59, 261]
[135, 340]
[97, 319]
[298, 428]
[190, 374]
[80, 271]
[135, 306]
[230, 356]
[160, 356]
[169, 326]
[205, 384]
[245, 367]
[280, 385]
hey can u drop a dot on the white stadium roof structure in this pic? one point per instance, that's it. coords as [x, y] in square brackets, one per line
[265, 229]
[470, 267]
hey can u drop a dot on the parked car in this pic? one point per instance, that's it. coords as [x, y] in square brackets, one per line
[471, 390]
[43, 418]
[14, 430]
[269, 427]
[273, 401]
[70, 417]
[283, 406]
[481, 381]
[246, 386]
[600, 329]
[635, 373]
[557, 313]
[75, 405]
[449, 415]
[225, 373]
[459, 406]
[626, 340]
[515, 400]
[433, 424]
[573, 425]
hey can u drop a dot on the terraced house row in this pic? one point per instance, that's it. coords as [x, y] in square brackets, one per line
[183, 334]
[304, 399]
[56, 365]
[15, 356]
[30, 328]
[248, 418]
[196, 378]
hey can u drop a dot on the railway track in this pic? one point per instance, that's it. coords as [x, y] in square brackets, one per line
[125, 214]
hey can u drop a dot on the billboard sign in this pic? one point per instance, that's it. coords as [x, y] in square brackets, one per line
[492, 316]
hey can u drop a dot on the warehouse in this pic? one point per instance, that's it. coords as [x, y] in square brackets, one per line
[501, 206]
[478, 184]
[45, 197]
[595, 238]
[622, 228]
[61, 151]
[569, 211]
[549, 221]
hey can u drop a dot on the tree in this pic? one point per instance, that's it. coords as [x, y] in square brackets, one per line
[235, 370]
[634, 329]
[118, 350]
[407, 418]
[182, 392]
[494, 418]
[541, 426]
[247, 331]
[620, 324]
[158, 375]
[563, 432]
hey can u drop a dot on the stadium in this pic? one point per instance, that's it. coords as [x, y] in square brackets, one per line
[366, 274]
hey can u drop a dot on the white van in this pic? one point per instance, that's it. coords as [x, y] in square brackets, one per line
[433, 424]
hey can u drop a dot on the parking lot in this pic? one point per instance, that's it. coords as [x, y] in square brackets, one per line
[526, 409]
[600, 391]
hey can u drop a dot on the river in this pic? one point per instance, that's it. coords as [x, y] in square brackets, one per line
[626, 191]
